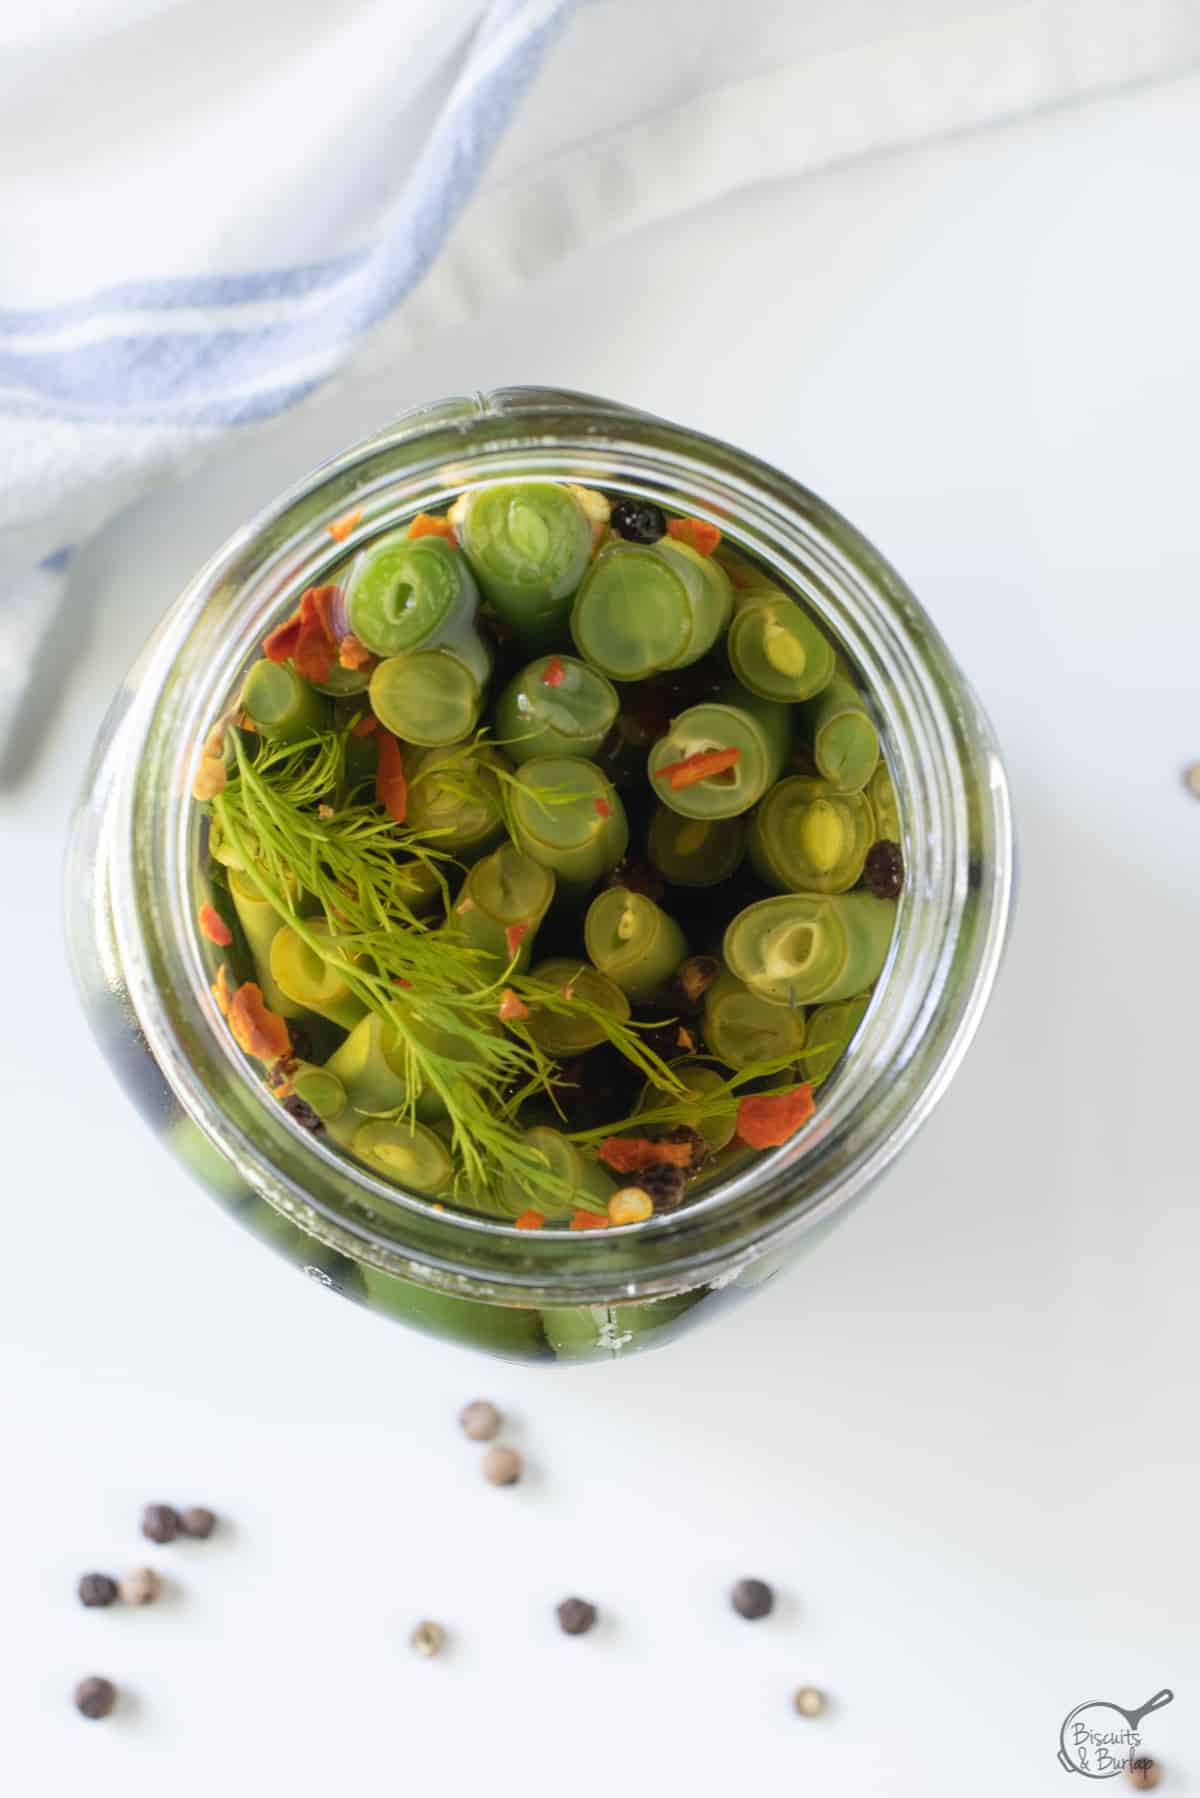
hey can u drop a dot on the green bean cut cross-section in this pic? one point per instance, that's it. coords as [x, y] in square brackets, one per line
[573, 1178]
[806, 837]
[802, 948]
[695, 852]
[308, 979]
[405, 594]
[281, 705]
[844, 739]
[633, 941]
[758, 729]
[740, 1028]
[568, 816]
[831, 1029]
[556, 706]
[563, 1027]
[410, 1155]
[502, 903]
[882, 794]
[454, 794]
[775, 649]
[528, 543]
[702, 1078]
[430, 697]
[261, 924]
[645, 608]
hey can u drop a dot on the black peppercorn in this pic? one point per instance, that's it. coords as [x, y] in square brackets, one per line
[752, 1599]
[160, 1523]
[638, 876]
[638, 521]
[95, 1697]
[698, 1144]
[97, 1589]
[305, 1116]
[198, 1521]
[576, 1616]
[663, 1183]
[302, 1043]
[883, 870]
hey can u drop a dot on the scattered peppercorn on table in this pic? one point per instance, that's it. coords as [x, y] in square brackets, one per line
[551, 857]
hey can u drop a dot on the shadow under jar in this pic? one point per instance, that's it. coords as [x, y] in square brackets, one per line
[549, 1295]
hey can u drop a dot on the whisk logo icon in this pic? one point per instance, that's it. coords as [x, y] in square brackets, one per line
[1099, 1739]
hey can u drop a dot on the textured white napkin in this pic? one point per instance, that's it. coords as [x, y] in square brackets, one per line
[210, 207]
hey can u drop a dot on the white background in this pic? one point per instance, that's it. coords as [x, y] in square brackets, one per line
[960, 1439]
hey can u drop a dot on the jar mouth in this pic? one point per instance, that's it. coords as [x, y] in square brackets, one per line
[952, 797]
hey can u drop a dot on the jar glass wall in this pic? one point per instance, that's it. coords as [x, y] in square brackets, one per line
[137, 844]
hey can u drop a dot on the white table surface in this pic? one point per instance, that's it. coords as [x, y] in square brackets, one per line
[961, 1438]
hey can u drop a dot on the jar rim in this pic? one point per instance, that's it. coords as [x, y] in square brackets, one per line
[950, 784]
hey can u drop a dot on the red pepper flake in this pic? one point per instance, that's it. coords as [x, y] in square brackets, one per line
[701, 766]
[362, 727]
[512, 1007]
[514, 936]
[701, 535]
[316, 647]
[391, 788]
[603, 808]
[767, 1119]
[341, 528]
[280, 644]
[259, 1032]
[306, 639]
[220, 990]
[399, 980]
[353, 654]
[589, 1220]
[429, 524]
[214, 927]
[630, 1154]
[530, 1220]
[554, 673]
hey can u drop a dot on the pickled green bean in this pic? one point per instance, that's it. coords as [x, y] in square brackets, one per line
[405, 594]
[430, 697]
[557, 706]
[280, 704]
[774, 647]
[643, 609]
[309, 980]
[806, 837]
[502, 903]
[758, 729]
[571, 1033]
[695, 852]
[568, 816]
[803, 948]
[528, 543]
[741, 1028]
[844, 739]
[633, 941]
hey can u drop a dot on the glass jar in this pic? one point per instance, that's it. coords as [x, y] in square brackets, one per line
[532, 1295]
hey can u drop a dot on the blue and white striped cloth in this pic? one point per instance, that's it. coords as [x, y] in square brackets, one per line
[208, 204]
[103, 393]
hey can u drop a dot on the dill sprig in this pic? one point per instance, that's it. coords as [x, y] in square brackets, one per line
[444, 1014]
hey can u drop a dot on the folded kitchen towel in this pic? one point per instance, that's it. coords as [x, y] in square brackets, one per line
[212, 208]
